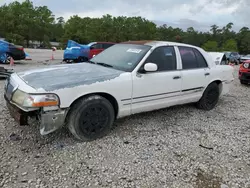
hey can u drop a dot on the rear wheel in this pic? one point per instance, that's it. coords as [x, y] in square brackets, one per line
[210, 97]
[91, 118]
[82, 59]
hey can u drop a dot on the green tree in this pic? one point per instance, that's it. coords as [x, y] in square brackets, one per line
[210, 46]
[230, 45]
[24, 22]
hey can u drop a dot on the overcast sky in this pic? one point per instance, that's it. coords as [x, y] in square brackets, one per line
[200, 14]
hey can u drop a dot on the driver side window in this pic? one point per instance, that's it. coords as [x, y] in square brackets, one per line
[164, 57]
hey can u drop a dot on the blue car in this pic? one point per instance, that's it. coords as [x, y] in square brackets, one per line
[76, 52]
[8, 51]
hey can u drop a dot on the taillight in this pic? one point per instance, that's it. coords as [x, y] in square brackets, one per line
[20, 49]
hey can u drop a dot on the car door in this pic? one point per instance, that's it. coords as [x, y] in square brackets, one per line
[195, 73]
[159, 89]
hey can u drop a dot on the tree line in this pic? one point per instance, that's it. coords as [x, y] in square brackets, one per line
[23, 22]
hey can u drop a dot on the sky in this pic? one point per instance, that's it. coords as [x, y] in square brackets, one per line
[200, 14]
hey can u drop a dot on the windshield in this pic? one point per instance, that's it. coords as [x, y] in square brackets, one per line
[123, 57]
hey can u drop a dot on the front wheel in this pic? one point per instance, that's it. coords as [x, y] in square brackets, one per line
[210, 97]
[243, 82]
[91, 118]
[5, 58]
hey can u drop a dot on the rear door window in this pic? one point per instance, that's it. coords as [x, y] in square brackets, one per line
[201, 60]
[188, 58]
[192, 58]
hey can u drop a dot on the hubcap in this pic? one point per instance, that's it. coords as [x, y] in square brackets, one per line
[5, 58]
[8, 59]
[94, 120]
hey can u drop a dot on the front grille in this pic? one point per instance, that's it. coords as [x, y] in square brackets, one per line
[245, 76]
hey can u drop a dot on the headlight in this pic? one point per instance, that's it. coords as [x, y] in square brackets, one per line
[28, 100]
[246, 65]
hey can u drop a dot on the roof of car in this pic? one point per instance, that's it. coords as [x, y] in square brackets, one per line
[157, 43]
[105, 42]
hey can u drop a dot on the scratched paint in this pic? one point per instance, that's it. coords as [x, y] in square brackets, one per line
[68, 76]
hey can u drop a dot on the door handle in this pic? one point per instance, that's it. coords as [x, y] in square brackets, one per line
[207, 74]
[176, 77]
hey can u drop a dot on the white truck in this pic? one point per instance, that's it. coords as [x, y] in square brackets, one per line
[125, 79]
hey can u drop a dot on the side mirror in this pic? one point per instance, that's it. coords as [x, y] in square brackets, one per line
[150, 67]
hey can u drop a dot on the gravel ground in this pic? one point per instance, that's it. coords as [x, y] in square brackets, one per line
[175, 147]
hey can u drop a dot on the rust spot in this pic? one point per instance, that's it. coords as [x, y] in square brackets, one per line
[142, 42]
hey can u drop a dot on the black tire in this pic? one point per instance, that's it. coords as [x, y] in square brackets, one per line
[91, 118]
[210, 97]
[82, 59]
[68, 61]
[243, 82]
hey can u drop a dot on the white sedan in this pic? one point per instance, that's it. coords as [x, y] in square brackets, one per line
[127, 78]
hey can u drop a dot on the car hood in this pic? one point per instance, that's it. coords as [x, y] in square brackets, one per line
[245, 58]
[67, 76]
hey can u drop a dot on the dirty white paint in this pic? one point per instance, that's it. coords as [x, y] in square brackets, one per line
[34, 71]
[134, 92]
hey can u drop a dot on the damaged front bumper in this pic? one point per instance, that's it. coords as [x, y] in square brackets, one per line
[52, 120]
[48, 120]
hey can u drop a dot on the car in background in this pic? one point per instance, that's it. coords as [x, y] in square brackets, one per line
[219, 58]
[9, 50]
[233, 57]
[244, 58]
[76, 52]
[127, 78]
[244, 72]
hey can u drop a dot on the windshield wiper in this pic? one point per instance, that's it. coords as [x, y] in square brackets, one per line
[104, 64]
[89, 61]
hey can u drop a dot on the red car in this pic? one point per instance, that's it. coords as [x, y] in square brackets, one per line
[244, 72]
[98, 47]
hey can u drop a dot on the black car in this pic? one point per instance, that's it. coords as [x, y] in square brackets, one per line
[11, 50]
